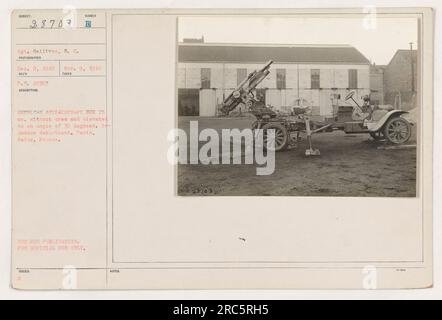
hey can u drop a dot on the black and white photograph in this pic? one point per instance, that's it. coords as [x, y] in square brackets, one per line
[221, 152]
[341, 95]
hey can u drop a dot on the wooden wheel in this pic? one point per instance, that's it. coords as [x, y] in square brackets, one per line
[397, 130]
[281, 136]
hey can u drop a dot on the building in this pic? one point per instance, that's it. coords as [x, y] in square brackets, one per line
[207, 73]
[377, 84]
[400, 80]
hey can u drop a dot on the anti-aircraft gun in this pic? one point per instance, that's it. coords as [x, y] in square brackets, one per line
[244, 94]
[266, 118]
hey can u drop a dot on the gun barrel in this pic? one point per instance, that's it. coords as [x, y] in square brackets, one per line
[267, 65]
[246, 86]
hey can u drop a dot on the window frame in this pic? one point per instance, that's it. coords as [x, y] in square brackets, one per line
[205, 78]
[315, 78]
[353, 80]
[238, 80]
[281, 78]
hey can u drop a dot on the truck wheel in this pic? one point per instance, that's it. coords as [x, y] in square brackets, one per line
[281, 136]
[397, 130]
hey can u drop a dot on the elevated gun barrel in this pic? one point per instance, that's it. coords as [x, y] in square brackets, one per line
[259, 76]
[245, 88]
[267, 66]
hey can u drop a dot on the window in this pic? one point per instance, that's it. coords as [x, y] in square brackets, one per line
[315, 75]
[352, 78]
[280, 78]
[241, 74]
[205, 78]
[261, 95]
[188, 102]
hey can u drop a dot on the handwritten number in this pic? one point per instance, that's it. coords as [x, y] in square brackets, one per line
[51, 23]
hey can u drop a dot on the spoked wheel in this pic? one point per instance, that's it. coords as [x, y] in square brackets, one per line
[378, 135]
[397, 130]
[281, 136]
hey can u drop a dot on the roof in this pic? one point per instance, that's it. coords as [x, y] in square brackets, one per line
[262, 53]
[405, 55]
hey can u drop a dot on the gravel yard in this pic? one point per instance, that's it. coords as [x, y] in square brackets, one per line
[349, 165]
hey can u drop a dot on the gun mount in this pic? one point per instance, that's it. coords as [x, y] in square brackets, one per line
[244, 94]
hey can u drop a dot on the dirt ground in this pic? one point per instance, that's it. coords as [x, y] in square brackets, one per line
[349, 165]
